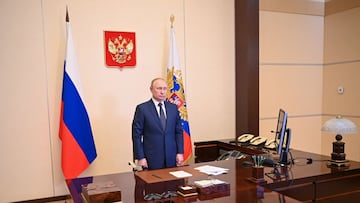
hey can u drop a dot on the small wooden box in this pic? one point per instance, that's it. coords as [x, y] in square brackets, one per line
[213, 191]
[215, 188]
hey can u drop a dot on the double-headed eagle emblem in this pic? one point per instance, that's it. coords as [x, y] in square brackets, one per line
[121, 49]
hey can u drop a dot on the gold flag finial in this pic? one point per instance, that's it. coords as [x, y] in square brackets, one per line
[172, 18]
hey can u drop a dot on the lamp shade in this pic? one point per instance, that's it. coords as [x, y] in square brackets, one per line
[339, 125]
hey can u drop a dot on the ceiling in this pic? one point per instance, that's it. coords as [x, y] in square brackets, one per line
[309, 7]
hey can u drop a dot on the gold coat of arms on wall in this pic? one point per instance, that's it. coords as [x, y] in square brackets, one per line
[120, 49]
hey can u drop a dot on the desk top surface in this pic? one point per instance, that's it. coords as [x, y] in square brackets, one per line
[133, 189]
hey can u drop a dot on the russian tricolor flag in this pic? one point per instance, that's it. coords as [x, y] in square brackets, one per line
[176, 93]
[78, 148]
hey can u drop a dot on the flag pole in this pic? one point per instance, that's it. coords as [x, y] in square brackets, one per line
[67, 15]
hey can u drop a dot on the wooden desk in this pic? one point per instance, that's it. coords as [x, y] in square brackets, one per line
[133, 189]
[299, 182]
[303, 181]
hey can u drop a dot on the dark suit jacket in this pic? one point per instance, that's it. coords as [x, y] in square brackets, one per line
[150, 141]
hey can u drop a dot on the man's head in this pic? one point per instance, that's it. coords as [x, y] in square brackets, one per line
[158, 89]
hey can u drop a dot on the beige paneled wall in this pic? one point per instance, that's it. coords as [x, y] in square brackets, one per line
[291, 77]
[32, 55]
[25, 150]
[210, 68]
[291, 55]
[341, 37]
[342, 68]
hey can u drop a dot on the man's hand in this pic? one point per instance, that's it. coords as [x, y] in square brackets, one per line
[179, 159]
[142, 162]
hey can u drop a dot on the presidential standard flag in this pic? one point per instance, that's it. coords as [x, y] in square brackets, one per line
[176, 93]
[78, 148]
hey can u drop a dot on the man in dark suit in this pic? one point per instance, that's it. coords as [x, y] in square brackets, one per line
[157, 133]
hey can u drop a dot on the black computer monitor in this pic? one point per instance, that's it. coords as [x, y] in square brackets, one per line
[280, 130]
[282, 137]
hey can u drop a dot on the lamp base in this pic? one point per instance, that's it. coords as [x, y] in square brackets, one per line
[338, 163]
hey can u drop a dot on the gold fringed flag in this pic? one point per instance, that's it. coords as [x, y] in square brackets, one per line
[176, 93]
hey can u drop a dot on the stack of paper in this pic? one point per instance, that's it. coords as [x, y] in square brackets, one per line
[180, 174]
[212, 170]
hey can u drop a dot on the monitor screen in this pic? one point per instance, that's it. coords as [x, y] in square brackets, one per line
[280, 130]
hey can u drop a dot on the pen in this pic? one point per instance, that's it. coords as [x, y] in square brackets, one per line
[156, 176]
[183, 165]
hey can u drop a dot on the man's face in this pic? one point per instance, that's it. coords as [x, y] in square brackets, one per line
[158, 90]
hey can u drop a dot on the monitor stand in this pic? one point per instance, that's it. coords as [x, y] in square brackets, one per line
[284, 154]
[279, 173]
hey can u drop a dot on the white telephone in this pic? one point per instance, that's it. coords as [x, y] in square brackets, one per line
[245, 137]
[258, 140]
[270, 144]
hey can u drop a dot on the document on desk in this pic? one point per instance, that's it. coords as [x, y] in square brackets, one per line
[207, 183]
[212, 170]
[180, 174]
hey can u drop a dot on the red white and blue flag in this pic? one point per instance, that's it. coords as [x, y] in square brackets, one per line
[78, 147]
[176, 93]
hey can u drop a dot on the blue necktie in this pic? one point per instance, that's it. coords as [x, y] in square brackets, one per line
[162, 116]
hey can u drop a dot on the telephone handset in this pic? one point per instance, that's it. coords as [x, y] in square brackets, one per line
[270, 144]
[245, 137]
[258, 140]
[230, 155]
